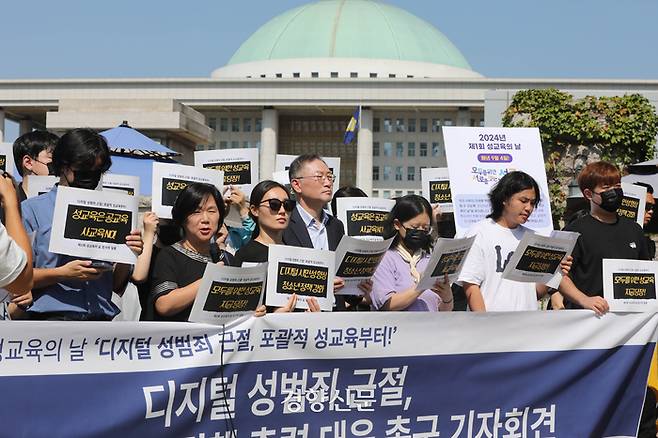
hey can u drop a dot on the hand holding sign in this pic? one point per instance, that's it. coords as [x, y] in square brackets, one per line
[80, 270]
[441, 287]
[135, 242]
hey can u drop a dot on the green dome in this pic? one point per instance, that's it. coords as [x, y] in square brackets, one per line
[349, 29]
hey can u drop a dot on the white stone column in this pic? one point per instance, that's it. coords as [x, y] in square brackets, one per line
[268, 142]
[364, 153]
[25, 126]
[2, 125]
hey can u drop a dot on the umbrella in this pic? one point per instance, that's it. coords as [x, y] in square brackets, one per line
[133, 153]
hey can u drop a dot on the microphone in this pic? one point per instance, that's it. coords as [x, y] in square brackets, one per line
[216, 254]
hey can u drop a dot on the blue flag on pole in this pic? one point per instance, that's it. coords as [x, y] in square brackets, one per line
[352, 127]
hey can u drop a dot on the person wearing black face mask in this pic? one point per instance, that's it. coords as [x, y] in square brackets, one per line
[603, 235]
[33, 155]
[394, 281]
[66, 288]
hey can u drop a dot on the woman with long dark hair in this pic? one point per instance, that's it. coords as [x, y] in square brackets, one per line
[198, 213]
[270, 207]
[513, 199]
[394, 281]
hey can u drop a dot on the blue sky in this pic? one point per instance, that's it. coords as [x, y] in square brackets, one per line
[507, 38]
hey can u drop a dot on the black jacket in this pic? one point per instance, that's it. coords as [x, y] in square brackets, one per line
[297, 235]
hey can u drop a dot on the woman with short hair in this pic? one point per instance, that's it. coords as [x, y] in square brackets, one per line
[198, 213]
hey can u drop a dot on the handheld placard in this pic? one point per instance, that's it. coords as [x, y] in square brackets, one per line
[633, 203]
[306, 272]
[537, 258]
[357, 260]
[447, 258]
[93, 224]
[479, 157]
[436, 187]
[227, 293]
[239, 166]
[170, 179]
[630, 285]
[364, 218]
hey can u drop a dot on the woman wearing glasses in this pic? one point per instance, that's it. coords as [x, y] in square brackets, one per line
[198, 212]
[270, 207]
[396, 276]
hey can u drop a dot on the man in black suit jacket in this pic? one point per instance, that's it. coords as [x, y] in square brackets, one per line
[310, 225]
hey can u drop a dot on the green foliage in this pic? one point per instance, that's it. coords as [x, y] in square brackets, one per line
[618, 129]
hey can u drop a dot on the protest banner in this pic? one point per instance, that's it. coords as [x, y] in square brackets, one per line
[227, 293]
[479, 157]
[240, 166]
[282, 162]
[537, 258]
[364, 218]
[633, 203]
[447, 257]
[170, 179]
[93, 224]
[327, 375]
[357, 260]
[306, 272]
[436, 187]
[7, 160]
[39, 184]
[117, 183]
[630, 285]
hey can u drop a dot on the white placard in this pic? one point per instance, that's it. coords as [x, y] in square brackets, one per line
[91, 224]
[357, 260]
[281, 176]
[630, 285]
[7, 160]
[537, 258]
[117, 183]
[39, 184]
[240, 166]
[227, 293]
[307, 272]
[447, 257]
[283, 163]
[364, 217]
[170, 179]
[436, 187]
[479, 157]
[564, 235]
[633, 203]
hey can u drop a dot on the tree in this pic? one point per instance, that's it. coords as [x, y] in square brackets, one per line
[618, 129]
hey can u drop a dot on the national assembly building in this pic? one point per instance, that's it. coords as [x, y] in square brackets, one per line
[292, 87]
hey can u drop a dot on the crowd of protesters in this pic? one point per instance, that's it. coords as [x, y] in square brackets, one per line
[172, 255]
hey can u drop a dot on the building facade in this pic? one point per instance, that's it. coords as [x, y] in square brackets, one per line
[292, 87]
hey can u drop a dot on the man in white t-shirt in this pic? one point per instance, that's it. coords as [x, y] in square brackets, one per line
[493, 247]
[513, 200]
